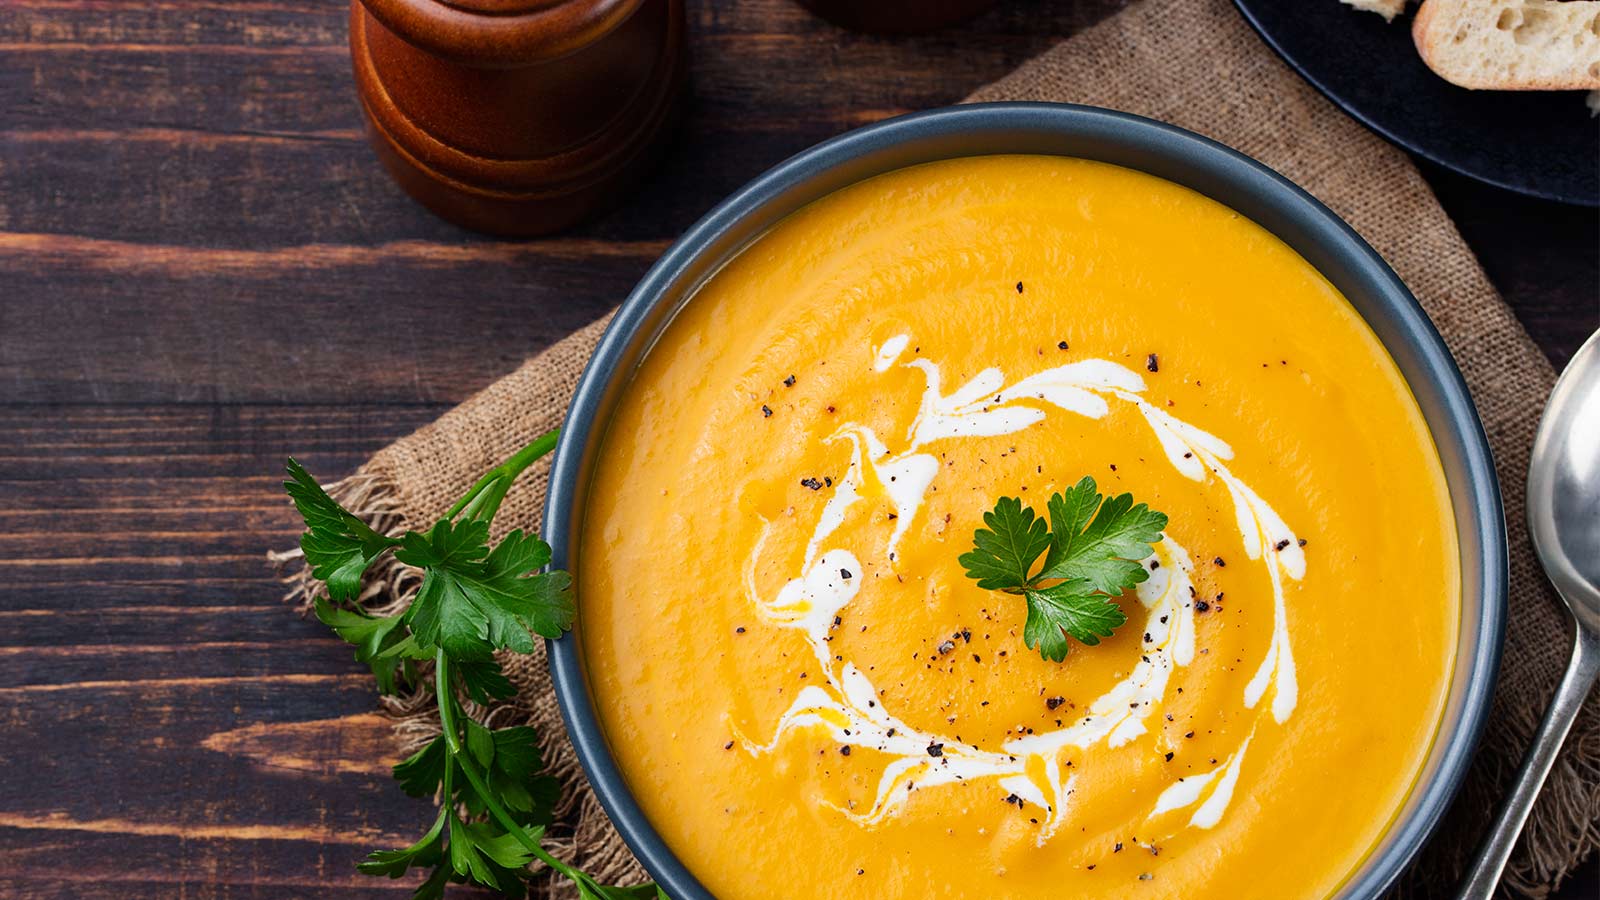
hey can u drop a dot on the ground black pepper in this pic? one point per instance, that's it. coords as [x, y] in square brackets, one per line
[1151, 363]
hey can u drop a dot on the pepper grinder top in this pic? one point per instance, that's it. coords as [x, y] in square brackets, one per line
[517, 117]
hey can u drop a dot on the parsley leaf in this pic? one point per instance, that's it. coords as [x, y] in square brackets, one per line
[474, 600]
[484, 680]
[338, 546]
[488, 855]
[1003, 553]
[1105, 551]
[427, 851]
[374, 638]
[1070, 607]
[421, 773]
[1092, 554]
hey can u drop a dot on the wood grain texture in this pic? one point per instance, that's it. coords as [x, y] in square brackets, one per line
[203, 270]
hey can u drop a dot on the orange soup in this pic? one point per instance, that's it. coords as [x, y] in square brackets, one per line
[808, 695]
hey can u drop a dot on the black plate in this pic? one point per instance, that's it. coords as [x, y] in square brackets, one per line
[1540, 143]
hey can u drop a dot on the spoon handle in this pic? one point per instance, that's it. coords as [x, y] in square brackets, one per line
[1581, 672]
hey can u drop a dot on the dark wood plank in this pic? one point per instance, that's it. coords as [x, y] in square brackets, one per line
[406, 322]
[169, 726]
[162, 506]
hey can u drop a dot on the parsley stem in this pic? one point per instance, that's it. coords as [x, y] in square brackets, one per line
[482, 500]
[446, 784]
[469, 767]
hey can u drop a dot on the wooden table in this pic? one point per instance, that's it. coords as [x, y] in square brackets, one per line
[202, 270]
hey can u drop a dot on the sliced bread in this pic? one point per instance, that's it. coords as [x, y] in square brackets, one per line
[1386, 8]
[1511, 44]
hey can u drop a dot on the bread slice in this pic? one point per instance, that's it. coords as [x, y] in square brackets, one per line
[1515, 45]
[1386, 8]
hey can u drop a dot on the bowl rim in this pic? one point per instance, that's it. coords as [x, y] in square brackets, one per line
[1206, 166]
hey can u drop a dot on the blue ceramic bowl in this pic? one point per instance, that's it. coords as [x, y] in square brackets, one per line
[1162, 150]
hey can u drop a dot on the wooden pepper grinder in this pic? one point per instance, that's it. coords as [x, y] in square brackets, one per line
[517, 117]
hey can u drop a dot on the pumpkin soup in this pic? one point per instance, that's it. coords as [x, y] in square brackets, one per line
[810, 698]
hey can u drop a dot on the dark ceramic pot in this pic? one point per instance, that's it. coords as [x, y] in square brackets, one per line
[1162, 150]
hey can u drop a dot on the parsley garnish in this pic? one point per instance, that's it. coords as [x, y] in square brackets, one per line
[1092, 552]
[475, 599]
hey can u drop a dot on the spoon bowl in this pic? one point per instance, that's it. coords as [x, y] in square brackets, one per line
[1564, 485]
[1564, 519]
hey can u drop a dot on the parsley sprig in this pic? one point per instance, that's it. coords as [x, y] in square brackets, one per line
[1092, 552]
[475, 598]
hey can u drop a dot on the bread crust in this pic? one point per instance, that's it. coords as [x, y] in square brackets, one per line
[1386, 8]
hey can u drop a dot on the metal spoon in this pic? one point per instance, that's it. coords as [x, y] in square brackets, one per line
[1564, 517]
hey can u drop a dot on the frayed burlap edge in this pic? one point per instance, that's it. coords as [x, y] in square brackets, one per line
[582, 834]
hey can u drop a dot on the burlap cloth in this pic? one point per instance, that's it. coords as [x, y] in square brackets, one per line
[1193, 63]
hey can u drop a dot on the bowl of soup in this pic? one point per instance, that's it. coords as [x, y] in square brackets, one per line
[783, 681]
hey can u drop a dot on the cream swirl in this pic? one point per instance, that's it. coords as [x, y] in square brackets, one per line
[846, 703]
